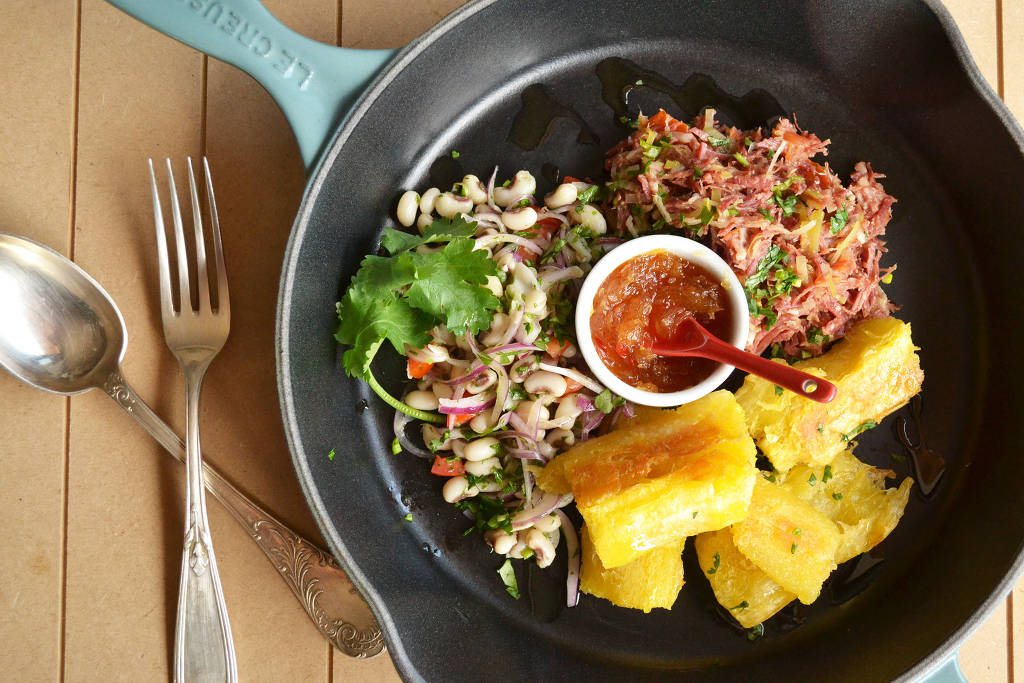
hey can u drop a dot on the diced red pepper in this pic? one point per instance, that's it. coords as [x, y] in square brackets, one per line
[555, 348]
[455, 420]
[664, 122]
[417, 368]
[443, 467]
[572, 386]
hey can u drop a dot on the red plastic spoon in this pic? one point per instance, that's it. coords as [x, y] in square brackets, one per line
[694, 340]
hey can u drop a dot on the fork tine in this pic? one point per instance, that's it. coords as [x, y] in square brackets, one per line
[202, 281]
[166, 300]
[185, 299]
[223, 302]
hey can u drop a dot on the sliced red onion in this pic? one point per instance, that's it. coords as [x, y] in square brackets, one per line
[548, 213]
[527, 483]
[529, 441]
[511, 238]
[542, 506]
[463, 406]
[471, 342]
[628, 409]
[550, 276]
[510, 348]
[592, 419]
[575, 375]
[399, 424]
[609, 241]
[526, 454]
[490, 190]
[515, 319]
[467, 377]
[501, 396]
[572, 547]
[584, 402]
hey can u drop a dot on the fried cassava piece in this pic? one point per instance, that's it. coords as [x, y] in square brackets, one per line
[848, 492]
[876, 370]
[677, 474]
[652, 580]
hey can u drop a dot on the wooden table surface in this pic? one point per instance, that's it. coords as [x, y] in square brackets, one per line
[91, 506]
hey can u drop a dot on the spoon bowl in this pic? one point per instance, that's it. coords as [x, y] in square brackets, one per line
[59, 330]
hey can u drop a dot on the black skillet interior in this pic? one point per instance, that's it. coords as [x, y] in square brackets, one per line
[882, 80]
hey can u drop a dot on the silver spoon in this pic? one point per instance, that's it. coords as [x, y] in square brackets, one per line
[61, 332]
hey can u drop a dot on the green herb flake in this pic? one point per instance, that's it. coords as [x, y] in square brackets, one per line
[605, 401]
[697, 173]
[741, 159]
[827, 474]
[858, 430]
[898, 458]
[455, 154]
[716, 565]
[792, 549]
[742, 605]
[812, 480]
[588, 195]
[755, 632]
[838, 221]
[396, 447]
[408, 517]
[887, 280]
[837, 496]
[778, 390]
[797, 532]
[508, 577]
[821, 427]
[787, 204]
[330, 456]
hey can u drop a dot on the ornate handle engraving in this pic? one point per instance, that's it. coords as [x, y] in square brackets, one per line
[316, 580]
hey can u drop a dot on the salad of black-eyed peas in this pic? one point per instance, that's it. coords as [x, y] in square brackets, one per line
[480, 302]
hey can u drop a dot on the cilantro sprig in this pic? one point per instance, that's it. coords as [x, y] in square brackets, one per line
[770, 280]
[400, 298]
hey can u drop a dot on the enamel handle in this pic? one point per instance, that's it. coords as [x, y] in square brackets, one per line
[314, 84]
[694, 340]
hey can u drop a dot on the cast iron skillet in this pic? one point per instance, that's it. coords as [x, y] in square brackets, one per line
[888, 81]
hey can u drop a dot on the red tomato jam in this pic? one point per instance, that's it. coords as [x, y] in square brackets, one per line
[645, 300]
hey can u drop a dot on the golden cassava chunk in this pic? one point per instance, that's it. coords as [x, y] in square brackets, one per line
[788, 540]
[652, 580]
[677, 474]
[853, 495]
[876, 371]
[750, 595]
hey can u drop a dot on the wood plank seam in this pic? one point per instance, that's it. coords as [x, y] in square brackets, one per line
[66, 464]
[1000, 77]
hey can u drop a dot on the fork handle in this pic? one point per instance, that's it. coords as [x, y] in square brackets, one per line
[318, 583]
[203, 647]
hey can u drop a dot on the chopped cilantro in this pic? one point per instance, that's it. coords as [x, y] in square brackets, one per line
[859, 429]
[408, 517]
[755, 632]
[742, 159]
[708, 213]
[552, 251]
[797, 532]
[792, 549]
[402, 297]
[778, 390]
[606, 402]
[330, 456]
[455, 154]
[697, 173]
[742, 605]
[588, 195]
[714, 567]
[837, 496]
[508, 577]
[827, 474]
[887, 280]
[396, 447]
[821, 428]
[787, 204]
[812, 480]
[838, 221]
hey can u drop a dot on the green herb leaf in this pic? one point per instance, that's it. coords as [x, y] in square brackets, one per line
[408, 517]
[827, 474]
[787, 204]
[455, 155]
[449, 283]
[742, 605]
[396, 447]
[605, 401]
[330, 456]
[812, 480]
[859, 429]
[508, 577]
[821, 428]
[838, 221]
[716, 565]
[778, 390]
[742, 159]
[755, 632]
[441, 230]
[792, 549]
[588, 195]
[837, 496]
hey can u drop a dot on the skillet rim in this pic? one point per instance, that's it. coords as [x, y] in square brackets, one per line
[315, 182]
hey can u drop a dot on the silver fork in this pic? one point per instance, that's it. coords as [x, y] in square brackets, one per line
[203, 649]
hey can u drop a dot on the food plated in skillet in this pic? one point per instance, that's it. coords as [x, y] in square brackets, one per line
[481, 302]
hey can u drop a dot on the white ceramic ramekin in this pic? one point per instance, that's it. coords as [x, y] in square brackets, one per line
[691, 251]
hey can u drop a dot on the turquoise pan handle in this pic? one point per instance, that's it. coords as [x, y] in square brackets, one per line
[314, 84]
[947, 672]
